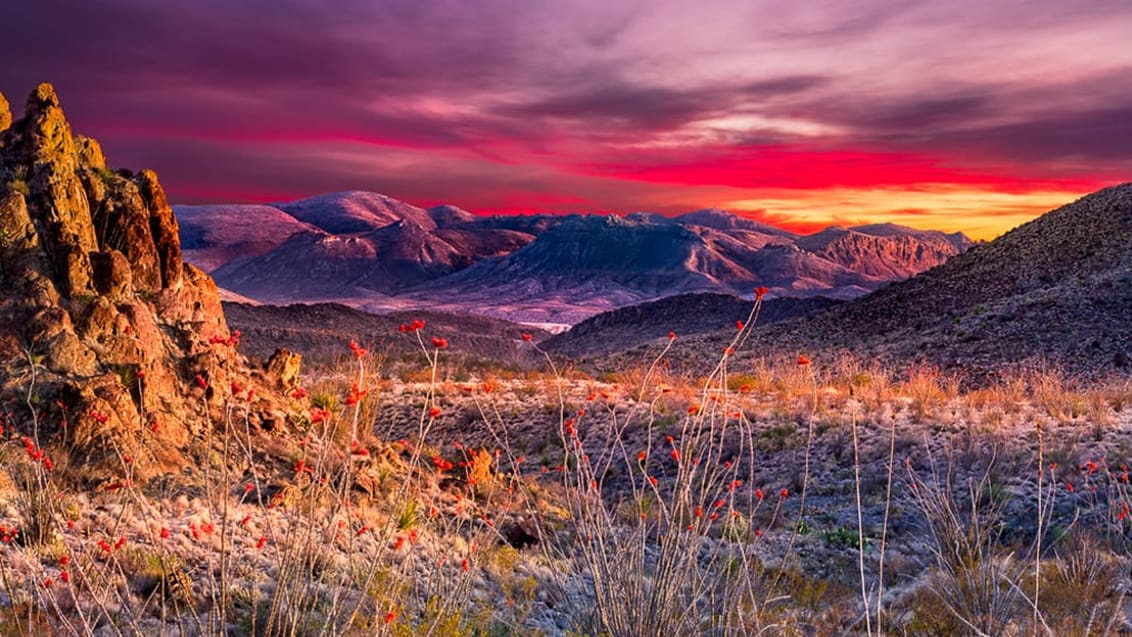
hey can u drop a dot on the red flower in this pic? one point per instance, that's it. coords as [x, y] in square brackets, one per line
[672, 336]
[526, 337]
[693, 410]
[164, 533]
[641, 456]
[802, 360]
[261, 542]
[357, 350]
[201, 382]
[675, 453]
[434, 412]
[355, 395]
[439, 343]
[739, 325]
[784, 493]
[728, 351]
[760, 292]
[390, 617]
[416, 325]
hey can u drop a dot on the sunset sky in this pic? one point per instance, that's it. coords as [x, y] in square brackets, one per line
[960, 115]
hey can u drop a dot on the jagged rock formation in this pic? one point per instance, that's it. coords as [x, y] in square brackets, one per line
[102, 325]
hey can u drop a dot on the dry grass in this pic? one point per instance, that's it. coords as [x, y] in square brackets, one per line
[645, 504]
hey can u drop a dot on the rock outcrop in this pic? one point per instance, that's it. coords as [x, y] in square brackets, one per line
[119, 348]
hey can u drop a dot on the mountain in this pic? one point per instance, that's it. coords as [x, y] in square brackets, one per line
[723, 220]
[684, 314]
[1055, 291]
[211, 236]
[355, 211]
[372, 251]
[360, 247]
[886, 250]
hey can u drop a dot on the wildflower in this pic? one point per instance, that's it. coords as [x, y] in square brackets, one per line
[153, 426]
[784, 493]
[299, 393]
[247, 518]
[739, 325]
[47, 583]
[48, 464]
[248, 488]
[357, 350]
[760, 292]
[201, 382]
[693, 410]
[464, 565]
[318, 415]
[439, 343]
[802, 360]
[361, 531]
[672, 336]
[65, 576]
[355, 395]
[759, 494]
[390, 617]
[236, 388]
[675, 453]
[652, 480]
[261, 542]
[641, 455]
[100, 418]
[164, 533]
[398, 542]
[417, 325]
[728, 351]
[526, 337]
[434, 412]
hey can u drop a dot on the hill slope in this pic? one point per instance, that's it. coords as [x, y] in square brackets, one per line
[1057, 289]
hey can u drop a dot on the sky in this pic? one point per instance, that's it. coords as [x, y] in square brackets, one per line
[961, 115]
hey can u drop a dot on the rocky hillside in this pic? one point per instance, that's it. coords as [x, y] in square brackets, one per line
[101, 324]
[684, 314]
[1055, 291]
[368, 250]
[320, 331]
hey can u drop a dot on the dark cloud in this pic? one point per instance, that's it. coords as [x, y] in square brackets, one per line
[263, 96]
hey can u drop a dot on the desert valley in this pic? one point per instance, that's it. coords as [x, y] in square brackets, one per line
[573, 319]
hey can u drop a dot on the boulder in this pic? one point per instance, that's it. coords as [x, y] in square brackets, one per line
[131, 351]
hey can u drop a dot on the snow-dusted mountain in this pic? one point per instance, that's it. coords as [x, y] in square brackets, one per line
[369, 250]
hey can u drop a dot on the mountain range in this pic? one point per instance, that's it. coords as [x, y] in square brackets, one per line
[1054, 293]
[376, 253]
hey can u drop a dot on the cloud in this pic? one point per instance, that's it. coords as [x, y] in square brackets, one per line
[614, 105]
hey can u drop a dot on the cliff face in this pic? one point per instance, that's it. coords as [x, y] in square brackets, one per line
[104, 332]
